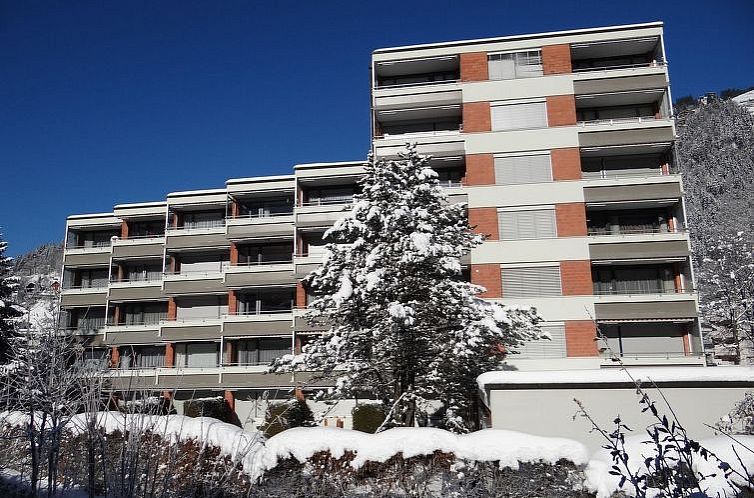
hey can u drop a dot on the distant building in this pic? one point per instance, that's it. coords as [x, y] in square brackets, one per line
[746, 100]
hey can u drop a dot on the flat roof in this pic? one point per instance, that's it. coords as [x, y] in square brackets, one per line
[547, 34]
[260, 179]
[198, 192]
[333, 164]
[140, 204]
[90, 215]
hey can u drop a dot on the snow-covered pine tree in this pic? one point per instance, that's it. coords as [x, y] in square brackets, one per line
[726, 284]
[9, 311]
[404, 325]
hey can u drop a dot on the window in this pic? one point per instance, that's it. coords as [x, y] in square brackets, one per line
[417, 79]
[628, 165]
[422, 126]
[644, 339]
[536, 281]
[330, 195]
[142, 357]
[633, 279]
[146, 272]
[143, 314]
[519, 116]
[516, 170]
[616, 112]
[450, 177]
[261, 351]
[99, 238]
[262, 208]
[526, 64]
[88, 279]
[253, 303]
[527, 224]
[555, 347]
[146, 229]
[208, 219]
[197, 355]
[271, 253]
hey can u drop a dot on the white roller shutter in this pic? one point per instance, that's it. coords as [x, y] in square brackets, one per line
[535, 281]
[527, 224]
[519, 116]
[555, 347]
[523, 169]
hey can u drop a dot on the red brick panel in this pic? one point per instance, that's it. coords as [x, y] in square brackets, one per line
[169, 355]
[566, 164]
[114, 357]
[488, 276]
[581, 338]
[484, 221]
[123, 230]
[576, 278]
[556, 59]
[172, 309]
[228, 353]
[474, 67]
[232, 302]
[233, 254]
[230, 399]
[300, 295]
[571, 219]
[480, 169]
[476, 117]
[561, 110]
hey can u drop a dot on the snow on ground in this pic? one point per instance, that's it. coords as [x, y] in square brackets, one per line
[638, 448]
[645, 374]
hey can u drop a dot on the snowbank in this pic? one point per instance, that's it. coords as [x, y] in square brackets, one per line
[507, 447]
[657, 374]
[604, 485]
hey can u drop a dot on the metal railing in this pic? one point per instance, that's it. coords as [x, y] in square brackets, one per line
[264, 263]
[331, 201]
[617, 121]
[633, 231]
[205, 225]
[417, 84]
[667, 355]
[142, 237]
[99, 244]
[96, 285]
[429, 133]
[619, 66]
[278, 311]
[146, 278]
[141, 323]
[195, 273]
[259, 215]
[640, 292]
[606, 174]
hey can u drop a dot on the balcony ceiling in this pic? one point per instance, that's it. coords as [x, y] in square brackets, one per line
[619, 98]
[622, 150]
[416, 66]
[632, 205]
[614, 48]
[419, 114]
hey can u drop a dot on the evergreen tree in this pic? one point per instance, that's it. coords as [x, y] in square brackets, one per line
[9, 312]
[404, 326]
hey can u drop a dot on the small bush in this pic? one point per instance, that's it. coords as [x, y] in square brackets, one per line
[211, 407]
[368, 418]
[282, 416]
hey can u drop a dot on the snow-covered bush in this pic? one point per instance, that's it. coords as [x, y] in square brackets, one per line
[368, 417]
[211, 407]
[286, 415]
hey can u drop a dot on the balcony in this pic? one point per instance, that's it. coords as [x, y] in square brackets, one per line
[633, 192]
[88, 294]
[133, 331]
[321, 212]
[266, 322]
[633, 279]
[616, 55]
[139, 246]
[147, 286]
[256, 226]
[420, 72]
[193, 328]
[210, 233]
[259, 273]
[193, 282]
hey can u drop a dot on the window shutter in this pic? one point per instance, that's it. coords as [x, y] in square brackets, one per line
[539, 281]
[519, 116]
[528, 224]
[523, 169]
[553, 348]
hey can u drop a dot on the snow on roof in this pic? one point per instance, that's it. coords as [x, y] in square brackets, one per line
[601, 376]
[744, 98]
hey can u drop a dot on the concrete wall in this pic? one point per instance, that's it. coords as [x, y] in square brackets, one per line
[550, 412]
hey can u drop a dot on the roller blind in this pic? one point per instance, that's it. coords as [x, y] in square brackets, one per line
[519, 116]
[529, 224]
[523, 169]
[538, 281]
[555, 347]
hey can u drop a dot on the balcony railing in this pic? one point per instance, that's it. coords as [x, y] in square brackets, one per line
[90, 244]
[142, 237]
[428, 133]
[92, 285]
[667, 355]
[619, 121]
[266, 311]
[204, 225]
[632, 230]
[417, 84]
[613, 291]
[614, 67]
[138, 323]
[195, 273]
[265, 263]
[252, 216]
[329, 201]
[604, 174]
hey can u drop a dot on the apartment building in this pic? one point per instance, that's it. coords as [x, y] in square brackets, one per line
[561, 144]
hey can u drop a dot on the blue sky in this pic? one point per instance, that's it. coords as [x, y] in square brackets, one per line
[110, 102]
